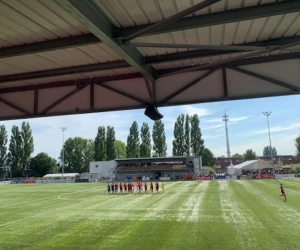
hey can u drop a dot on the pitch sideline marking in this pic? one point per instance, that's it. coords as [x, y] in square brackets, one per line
[48, 198]
[36, 215]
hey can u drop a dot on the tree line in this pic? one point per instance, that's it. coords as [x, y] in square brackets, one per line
[20, 147]
[79, 152]
[142, 143]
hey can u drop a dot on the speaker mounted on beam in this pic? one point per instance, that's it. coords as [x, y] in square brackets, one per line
[152, 112]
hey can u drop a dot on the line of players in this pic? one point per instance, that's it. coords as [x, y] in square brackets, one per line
[130, 187]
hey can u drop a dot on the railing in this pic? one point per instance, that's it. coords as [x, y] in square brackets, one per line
[162, 167]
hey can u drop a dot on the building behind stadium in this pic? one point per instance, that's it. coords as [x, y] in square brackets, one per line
[161, 168]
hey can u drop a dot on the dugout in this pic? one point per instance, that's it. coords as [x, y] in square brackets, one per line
[160, 168]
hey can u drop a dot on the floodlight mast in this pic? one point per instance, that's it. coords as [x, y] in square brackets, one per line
[63, 129]
[225, 119]
[267, 114]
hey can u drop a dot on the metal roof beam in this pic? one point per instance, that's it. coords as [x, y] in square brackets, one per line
[229, 61]
[169, 20]
[197, 46]
[50, 45]
[209, 52]
[230, 16]
[51, 85]
[91, 16]
[266, 78]
[64, 71]
[241, 62]
[187, 23]
[148, 60]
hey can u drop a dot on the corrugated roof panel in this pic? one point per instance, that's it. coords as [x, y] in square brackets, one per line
[207, 60]
[8, 69]
[229, 33]
[31, 62]
[3, 43]
[217, 34]
[35, 20]
[242, 31]
[124, 13]
[284, 25]
[293, 27]
[96, 53]
[101, 52]
[125, 70]
[79, 57]
[28, 29]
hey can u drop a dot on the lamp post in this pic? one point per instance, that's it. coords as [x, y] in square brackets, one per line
[63, 129]
[267, 114]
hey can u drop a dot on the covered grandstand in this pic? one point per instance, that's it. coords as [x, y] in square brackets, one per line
[161, 168]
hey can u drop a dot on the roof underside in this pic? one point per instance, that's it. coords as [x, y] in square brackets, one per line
[66, 56]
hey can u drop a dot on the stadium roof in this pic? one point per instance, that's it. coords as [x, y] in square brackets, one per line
[157, 159]
[69, 57]
[60, 175]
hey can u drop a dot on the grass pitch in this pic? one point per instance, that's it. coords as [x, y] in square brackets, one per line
[190, 215]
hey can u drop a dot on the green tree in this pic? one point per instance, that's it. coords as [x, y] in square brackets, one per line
[208, 158]
[159, 139]
[100, 145]
[145, 148]
[187, 137]
[297, 145]
[197, 143]
[249, 155]
[179, 137]
[43, 164]
[110, 143]
[3, 146]
[237, 155]
[14, 156]
[120, 149]
[267, 151]
[296, 168]
[133, 141]
[79, 152]
[27, 144]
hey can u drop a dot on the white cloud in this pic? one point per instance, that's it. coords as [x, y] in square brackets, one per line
[276, 129]
[283, 143]
[235, 119]
[213, 127]
[189, 109]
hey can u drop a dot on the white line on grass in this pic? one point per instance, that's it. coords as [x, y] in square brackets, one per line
[233, 214]
[47, 198]
[194, 201]
[39, 214]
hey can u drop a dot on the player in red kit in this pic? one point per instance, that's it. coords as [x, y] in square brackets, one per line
[282, 192]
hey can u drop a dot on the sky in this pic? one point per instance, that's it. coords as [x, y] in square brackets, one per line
[247, 125]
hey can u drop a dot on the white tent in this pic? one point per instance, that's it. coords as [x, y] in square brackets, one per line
[231, 169]
[60, 175]
[252, 165]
